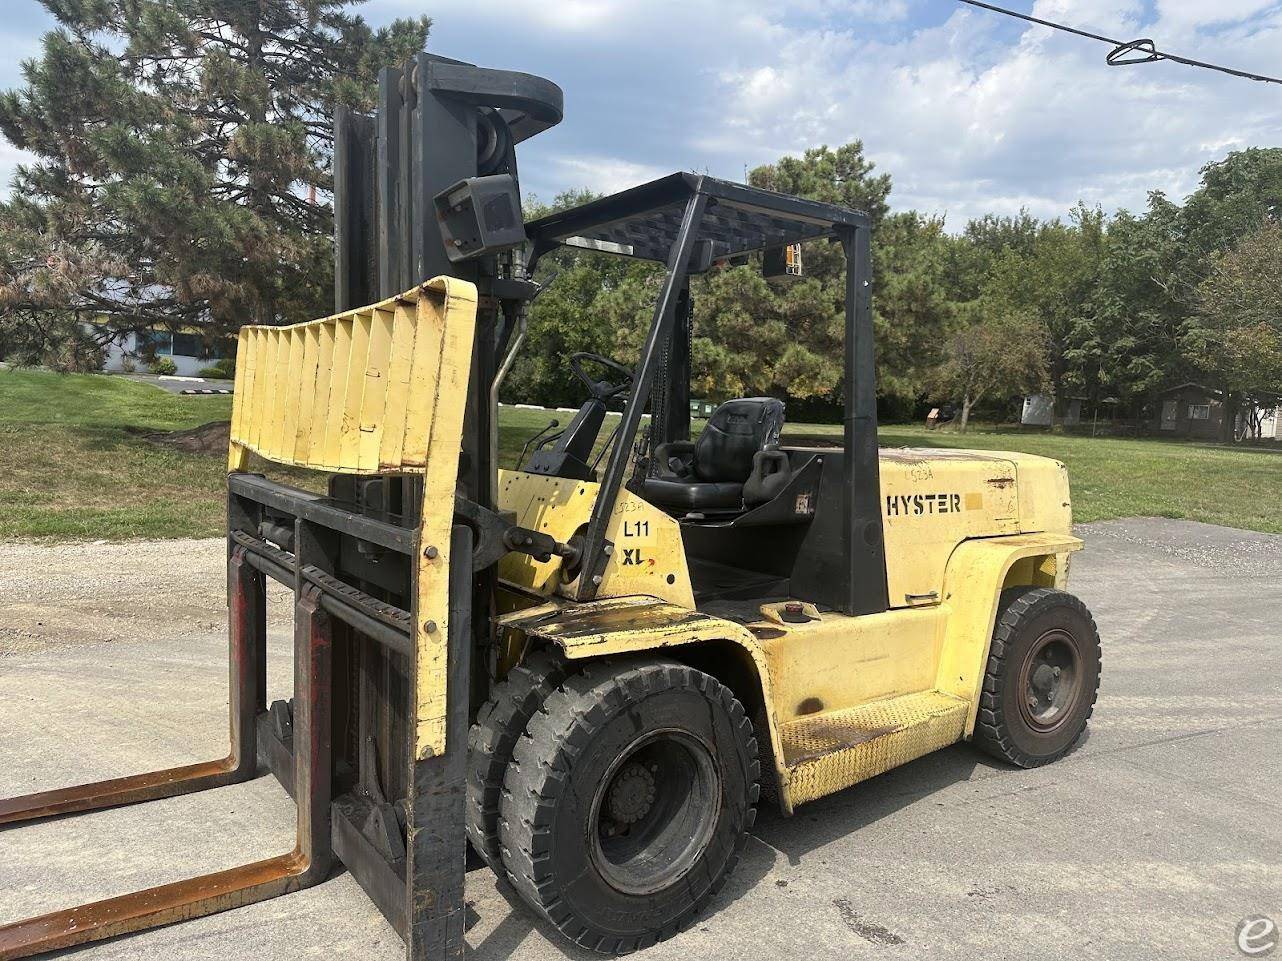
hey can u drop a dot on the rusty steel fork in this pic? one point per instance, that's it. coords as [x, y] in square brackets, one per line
[247, 694]
[306, 865]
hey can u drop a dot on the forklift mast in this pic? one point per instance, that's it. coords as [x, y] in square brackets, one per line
[439, 122]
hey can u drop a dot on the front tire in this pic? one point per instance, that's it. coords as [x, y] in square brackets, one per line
[628, 801]
[493, 738]
[1042, 677]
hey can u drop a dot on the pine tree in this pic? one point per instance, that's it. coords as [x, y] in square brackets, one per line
[184, 152]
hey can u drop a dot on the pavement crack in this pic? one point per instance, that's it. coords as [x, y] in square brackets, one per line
[1169, 739]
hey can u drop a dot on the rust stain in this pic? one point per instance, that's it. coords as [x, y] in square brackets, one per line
[153, 907]
[126, 790]
[1000, 482]
[614, 620]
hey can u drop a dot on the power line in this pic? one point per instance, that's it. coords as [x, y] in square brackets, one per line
[1124, 52]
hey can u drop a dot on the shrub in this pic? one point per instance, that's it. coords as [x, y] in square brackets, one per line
[222, 369]
[164, 366]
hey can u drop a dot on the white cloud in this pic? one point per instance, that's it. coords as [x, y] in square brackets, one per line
[876, 11]
[966, 124]
[604, 174]
[969, 111]
[1193, 13]
[575, 16]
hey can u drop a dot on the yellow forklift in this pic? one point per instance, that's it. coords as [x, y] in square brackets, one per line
[589, 667]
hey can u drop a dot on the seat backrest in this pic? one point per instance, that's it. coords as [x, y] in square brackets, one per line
[735, 432]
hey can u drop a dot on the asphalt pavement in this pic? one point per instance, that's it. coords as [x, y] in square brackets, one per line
[1156, 838]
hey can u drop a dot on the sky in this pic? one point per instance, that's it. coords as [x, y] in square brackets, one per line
[970, 112]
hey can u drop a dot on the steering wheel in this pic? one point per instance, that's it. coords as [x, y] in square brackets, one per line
[601, 389]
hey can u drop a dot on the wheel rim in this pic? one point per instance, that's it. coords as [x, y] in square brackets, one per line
[1050, 681]
[655, 812]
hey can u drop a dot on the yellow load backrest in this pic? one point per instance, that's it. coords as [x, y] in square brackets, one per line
[354, 393]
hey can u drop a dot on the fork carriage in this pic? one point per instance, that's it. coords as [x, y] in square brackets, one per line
[382, 637]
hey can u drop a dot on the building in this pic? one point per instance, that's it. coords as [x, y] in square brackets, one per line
[189, 351]
[1191, 410]
[1271, 424]
[1269, 419]
[1039, 407]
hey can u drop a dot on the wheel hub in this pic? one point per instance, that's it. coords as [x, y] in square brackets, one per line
[1051, 679]
[1043, 681]
[655, 812]
[632, 794]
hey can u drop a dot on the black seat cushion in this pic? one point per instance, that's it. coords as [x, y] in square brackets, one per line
[669, 491]
[735, 432]
[721, 459]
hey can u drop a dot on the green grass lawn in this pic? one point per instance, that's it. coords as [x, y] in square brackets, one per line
[74, 464]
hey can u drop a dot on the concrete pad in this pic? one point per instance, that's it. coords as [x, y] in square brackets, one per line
[1153, 839]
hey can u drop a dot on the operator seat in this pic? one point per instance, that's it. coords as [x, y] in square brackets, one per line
[738, 447]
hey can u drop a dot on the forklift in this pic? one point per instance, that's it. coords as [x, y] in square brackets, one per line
[589, 667]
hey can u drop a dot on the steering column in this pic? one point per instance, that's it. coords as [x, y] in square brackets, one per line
[571, 452]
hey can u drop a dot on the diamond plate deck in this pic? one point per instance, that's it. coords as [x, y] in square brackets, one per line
[829, 752]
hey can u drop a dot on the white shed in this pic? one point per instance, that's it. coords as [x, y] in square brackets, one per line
[1038, 408]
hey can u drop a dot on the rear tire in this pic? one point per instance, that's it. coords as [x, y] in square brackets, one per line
[1042, 677]
[628, 801]
[499, 725]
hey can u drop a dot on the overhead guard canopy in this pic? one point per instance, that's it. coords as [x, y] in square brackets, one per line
[643, 222]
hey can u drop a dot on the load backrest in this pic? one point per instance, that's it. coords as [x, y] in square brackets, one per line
[376, 390]
[359, 392]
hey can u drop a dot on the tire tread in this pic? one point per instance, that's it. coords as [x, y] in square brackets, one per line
[563, 725]
[492, 739]
[992, 728]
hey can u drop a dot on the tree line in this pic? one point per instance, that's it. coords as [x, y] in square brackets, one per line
[183, 167]
[1107, 309]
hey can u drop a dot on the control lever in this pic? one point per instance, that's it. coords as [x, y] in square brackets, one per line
[535, 439]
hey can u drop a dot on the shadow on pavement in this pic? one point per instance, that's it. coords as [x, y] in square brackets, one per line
[501, 943]
[839, 815]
